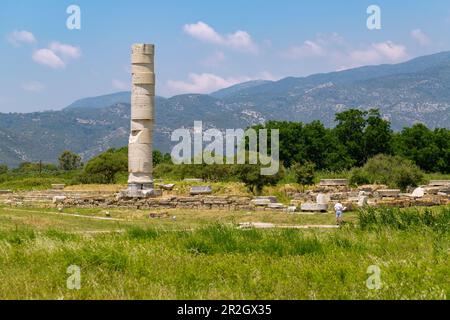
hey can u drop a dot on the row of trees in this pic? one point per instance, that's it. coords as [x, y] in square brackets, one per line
[357, 137]
[304, 148]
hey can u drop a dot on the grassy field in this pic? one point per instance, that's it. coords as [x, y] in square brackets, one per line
[202, 255]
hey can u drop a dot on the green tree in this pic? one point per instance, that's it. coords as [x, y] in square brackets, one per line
[377, 135]
[105, 167]
[429, 149]
[350, 131]
[3, 168]
[69, 161]
[160, 158]
[250, 175]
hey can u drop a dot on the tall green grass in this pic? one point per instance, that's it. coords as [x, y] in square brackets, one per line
[403, 219]
[222, 262]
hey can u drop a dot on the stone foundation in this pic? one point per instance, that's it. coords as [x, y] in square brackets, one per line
[323, 195]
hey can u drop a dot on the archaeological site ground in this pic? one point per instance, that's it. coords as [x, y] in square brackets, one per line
[247, 155]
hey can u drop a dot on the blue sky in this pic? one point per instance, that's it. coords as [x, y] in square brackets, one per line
[202, 45]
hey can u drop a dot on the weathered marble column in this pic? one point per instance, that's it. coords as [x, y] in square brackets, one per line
[140, 163]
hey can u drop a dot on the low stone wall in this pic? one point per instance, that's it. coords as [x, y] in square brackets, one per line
[228, 203]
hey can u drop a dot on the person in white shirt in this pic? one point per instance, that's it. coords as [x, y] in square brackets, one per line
[339, 208]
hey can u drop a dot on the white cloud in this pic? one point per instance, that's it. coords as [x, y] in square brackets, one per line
[203, 32]
[380, 52]
[419, 36]
[333, 49]
[391, 50]
[65, 50]
[307, 49]
[57, 55]
[33, 86]
[48, 58]
[240, 40]
[321, 46]
[120, 85]
[19, 37]
[208, 82]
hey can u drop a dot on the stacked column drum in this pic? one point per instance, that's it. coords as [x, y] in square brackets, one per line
[140, 163]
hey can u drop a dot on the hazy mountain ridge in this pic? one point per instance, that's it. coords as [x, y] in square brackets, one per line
[414, 91]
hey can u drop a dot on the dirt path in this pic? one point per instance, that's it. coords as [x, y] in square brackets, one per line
[66, 214]
[260, 225]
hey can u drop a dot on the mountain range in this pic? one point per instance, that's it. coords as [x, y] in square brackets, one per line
[414, 91]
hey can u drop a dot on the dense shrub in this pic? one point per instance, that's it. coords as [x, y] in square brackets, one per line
[393, 171]
[3, 168]
[304, 173]
[251, 176]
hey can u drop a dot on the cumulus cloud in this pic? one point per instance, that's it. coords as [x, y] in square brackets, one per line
[380, 52]
[48, 58]
[240, 40]
[57, 55]
[319, 47]
[343, 55]
[419, 36]
[20, 37]
[120, 85]
[33, 86]
[307, 49]
[208, 82]
[65, 50]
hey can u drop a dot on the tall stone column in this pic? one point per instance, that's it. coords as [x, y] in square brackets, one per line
[140, 165]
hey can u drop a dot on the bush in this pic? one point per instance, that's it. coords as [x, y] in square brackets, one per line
[304, 173]
[32, 168]
[251, 176]
[3, 168]
[393, 171]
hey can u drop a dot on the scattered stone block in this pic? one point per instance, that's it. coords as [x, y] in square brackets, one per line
[439, 183]
[276, 206]
[333, 182]
[260, 202]
[314, 207]
[272, 199]
[418, 193]
[193, 180]
[257, 225]
[59, 199]
[322, 199]
[389, 192]
[432, 190]
[363, 201]
[58, 186]
[291, 209]
[167, 187]
[371, 188]
[195, 191]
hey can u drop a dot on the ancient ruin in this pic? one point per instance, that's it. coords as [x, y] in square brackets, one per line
[140, 147]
